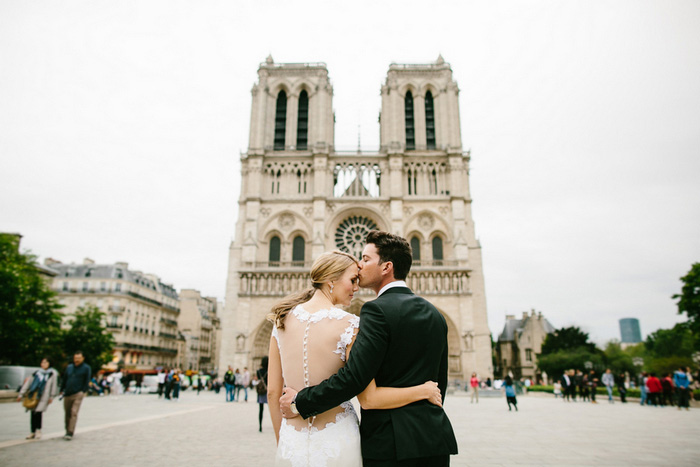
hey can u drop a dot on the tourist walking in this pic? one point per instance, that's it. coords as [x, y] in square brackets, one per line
[238, 377]
[643, 398]
[162, 375]
[245, 383]
[585, 389]
[653, 389]
[666, 390]
[566, 385]
[73, 389]
[176, 381]
[593, 385]
[474, 383]
[609, 381]
[510, 393]
[230, 383]
[261, 389]
[557, 389]
[621, 389]
[44, 383]
[682, 382]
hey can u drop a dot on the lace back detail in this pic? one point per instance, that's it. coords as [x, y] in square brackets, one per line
[346, 337]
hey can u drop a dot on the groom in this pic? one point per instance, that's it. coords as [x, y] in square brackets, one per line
[402, 342]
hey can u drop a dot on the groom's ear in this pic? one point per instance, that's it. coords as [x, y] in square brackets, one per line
[387, 267]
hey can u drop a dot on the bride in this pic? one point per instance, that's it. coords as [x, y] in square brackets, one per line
[311, 340]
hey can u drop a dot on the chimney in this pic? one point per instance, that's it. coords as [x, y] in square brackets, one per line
[51, 262]
[524, 314]
[122, 265]
[88, 261]
[510, 317]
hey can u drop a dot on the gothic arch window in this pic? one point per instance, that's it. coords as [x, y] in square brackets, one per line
[437, 250]
[415, 248]
[429, 120]
[280, 120]
[298, 251]
[410, 124]
[351, 234]
[303, 121]
[275, 247]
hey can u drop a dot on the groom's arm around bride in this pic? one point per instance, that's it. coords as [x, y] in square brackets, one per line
[402, 342]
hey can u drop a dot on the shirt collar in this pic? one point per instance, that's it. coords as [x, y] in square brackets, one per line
[391, 285]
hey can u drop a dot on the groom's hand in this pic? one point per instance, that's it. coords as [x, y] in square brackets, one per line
[286, 400]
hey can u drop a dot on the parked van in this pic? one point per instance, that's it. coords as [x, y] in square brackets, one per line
[12, 377]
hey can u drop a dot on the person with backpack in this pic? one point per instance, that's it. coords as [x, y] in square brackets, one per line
[40, 390]
[261, 389]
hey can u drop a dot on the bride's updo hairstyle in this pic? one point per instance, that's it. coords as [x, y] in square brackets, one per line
[327, 268]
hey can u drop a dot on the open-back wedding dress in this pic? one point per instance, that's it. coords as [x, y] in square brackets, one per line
[313, 347]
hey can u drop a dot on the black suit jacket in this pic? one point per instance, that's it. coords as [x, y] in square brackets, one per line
[402, 342]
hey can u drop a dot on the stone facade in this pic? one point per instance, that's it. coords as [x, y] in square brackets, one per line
[520, 343]
[300, 197]
[199, 324]
[142, 312]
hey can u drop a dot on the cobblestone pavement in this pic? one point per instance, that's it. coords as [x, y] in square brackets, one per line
[135, 430]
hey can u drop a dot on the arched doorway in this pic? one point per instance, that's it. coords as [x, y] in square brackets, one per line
[261, 344]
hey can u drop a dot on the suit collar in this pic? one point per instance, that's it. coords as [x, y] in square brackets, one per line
[401, 290]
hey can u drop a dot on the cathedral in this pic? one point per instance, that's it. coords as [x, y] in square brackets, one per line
[300, 197]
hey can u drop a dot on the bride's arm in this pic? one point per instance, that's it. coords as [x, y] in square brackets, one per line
[374, 397]
[275, 385]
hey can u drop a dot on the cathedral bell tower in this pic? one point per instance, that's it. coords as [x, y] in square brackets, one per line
[301, 197]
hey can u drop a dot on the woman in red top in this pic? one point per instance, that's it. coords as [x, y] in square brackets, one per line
[474, 383]
[654, 389]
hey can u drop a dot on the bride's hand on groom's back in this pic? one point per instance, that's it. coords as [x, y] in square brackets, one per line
[432, 392]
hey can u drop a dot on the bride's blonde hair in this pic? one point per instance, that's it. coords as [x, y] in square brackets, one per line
[327, 267]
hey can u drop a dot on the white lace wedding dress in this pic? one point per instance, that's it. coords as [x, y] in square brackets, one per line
[312, 347]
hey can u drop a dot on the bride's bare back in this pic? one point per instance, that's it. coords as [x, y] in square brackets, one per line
[312, 347]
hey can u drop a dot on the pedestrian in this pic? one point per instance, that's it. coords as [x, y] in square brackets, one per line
[643, 389]
[162, 374]
[557, 389]
[245, 382]
[654, 389]
[585, 389]
[261, 389]
[177, 379]
[666, 389]
[682, 382]
[510, 393]
[200, 383]
[593, 385]
[169, 384]
[474, 383]
[239, 384]
[566, 385]
[116, 382]
[609, 382]
[621, 389]
[73, 389]
[44, 385]
[230, 383]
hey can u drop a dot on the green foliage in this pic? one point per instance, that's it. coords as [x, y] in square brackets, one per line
[618, 360]
[554, 364]
[29, 318]
[88, 333]
[677, 341]
[689, 300]
[567, 339]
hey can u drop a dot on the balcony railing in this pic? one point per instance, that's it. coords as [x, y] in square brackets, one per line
[117, 309]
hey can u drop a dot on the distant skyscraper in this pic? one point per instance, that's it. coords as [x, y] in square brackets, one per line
[629, 330]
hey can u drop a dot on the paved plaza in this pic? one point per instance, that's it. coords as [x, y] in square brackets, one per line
[204, 430]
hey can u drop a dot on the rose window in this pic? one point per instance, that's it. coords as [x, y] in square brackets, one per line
[351, 234]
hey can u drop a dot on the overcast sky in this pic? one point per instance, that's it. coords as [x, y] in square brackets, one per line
[122, 124]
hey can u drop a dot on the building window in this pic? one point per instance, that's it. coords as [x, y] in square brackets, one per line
[280, 120]
[528, 355]
[303, 121]
[298, 253]
[118, 287]
[410, 126]
[275, 245]
[103, 286]
[357, 179]
[437, 250]
[415, 248]
[85, 286]
[65, 286]
[351, 234]
[429, 120]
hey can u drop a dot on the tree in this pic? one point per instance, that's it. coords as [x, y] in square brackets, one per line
[618, 360]
[29, 317]
[567, 339]
[88, 333]
[667, 349]
[689, 300]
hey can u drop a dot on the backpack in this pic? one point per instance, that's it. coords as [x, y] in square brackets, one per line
[261, 387]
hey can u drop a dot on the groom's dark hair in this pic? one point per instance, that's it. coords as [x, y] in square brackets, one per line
[392, 248]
